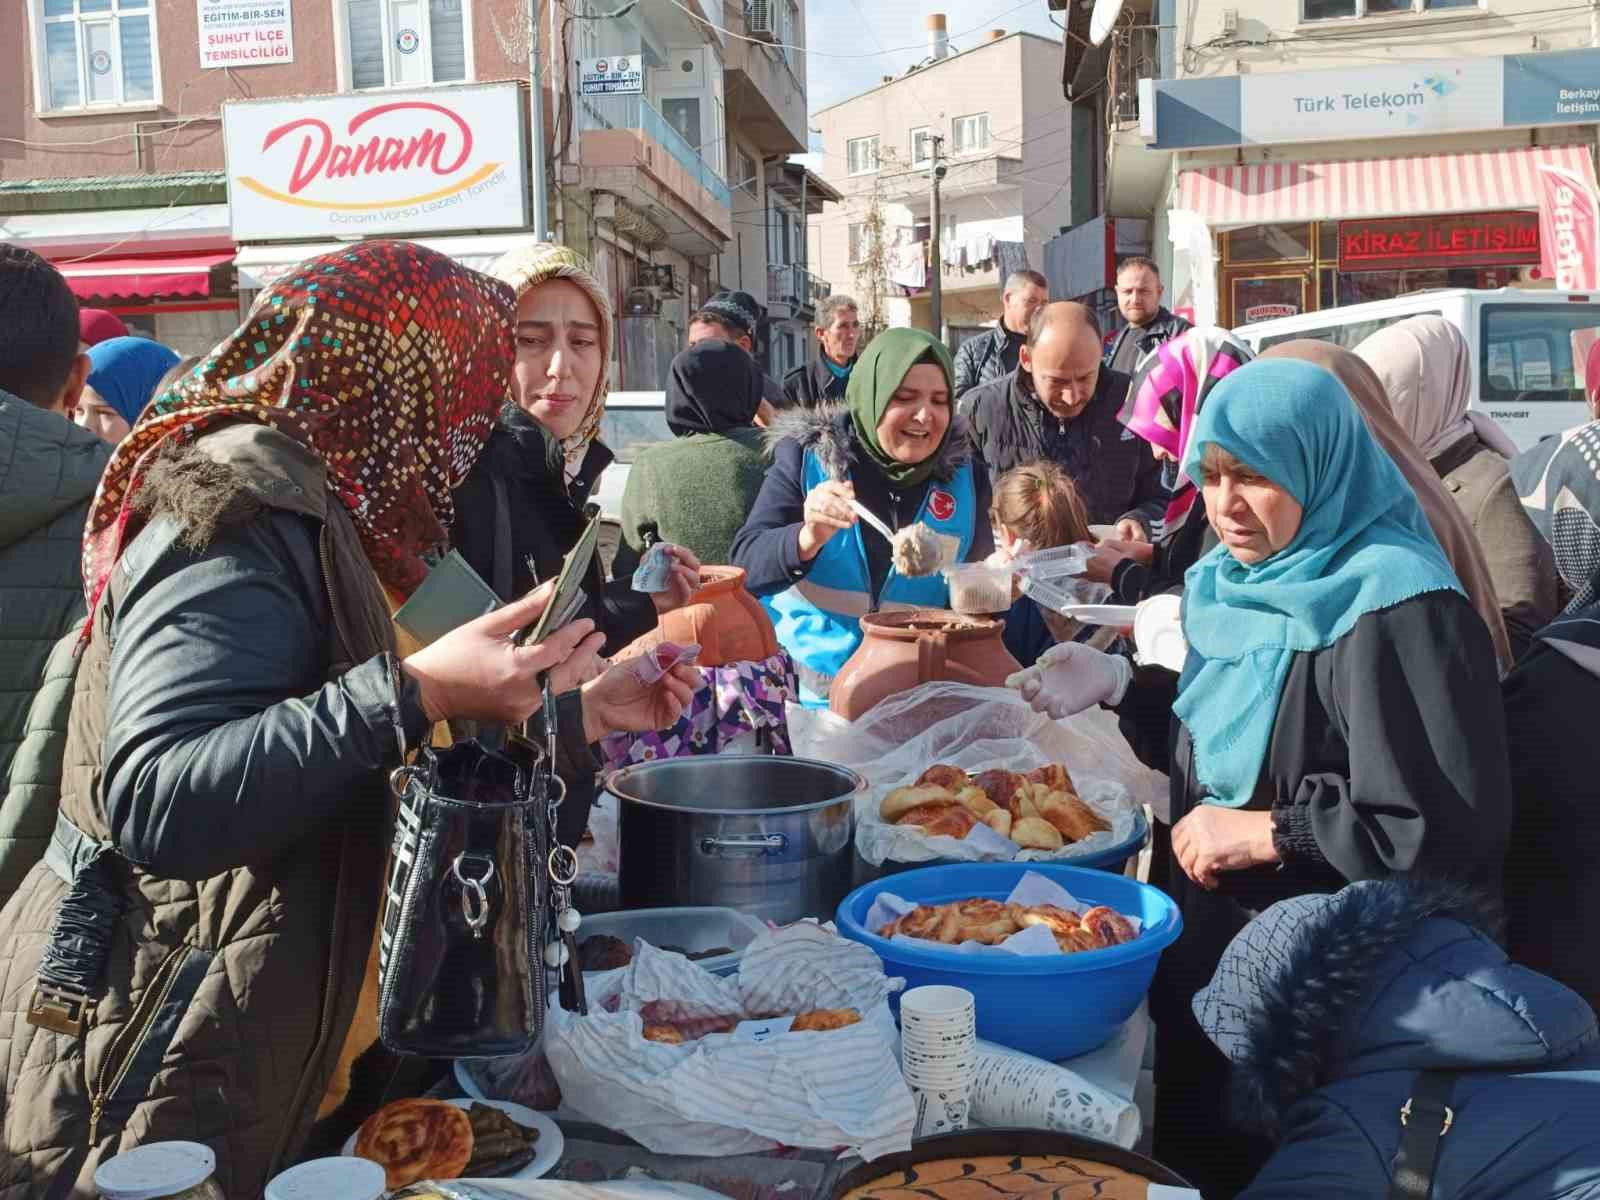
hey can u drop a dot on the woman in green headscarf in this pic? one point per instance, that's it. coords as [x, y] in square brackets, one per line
[898, 448]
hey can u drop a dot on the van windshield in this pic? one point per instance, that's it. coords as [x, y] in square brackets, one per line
[627, 431]
[1348, 335]
[1535, 352]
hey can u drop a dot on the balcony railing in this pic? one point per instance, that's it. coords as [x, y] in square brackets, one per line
[635, 112]
[1136, 55]
[795, 286]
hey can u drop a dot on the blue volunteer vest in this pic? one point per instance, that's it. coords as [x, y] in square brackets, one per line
[818, 620]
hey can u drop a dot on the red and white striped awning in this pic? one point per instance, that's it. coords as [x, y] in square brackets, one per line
[1275, 192]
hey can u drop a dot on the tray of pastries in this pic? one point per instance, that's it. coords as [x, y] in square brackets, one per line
[1039, 810]
[991, 922]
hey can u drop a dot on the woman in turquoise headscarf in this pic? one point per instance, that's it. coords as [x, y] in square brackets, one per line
[1338, 717]
[898, 448]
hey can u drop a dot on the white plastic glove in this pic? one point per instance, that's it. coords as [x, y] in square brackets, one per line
[1071, 677]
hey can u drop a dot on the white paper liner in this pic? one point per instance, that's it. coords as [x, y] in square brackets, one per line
[1032, 889]
[722, 1095]
[978, 729]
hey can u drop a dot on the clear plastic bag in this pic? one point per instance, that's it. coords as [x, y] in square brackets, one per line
[978, 729]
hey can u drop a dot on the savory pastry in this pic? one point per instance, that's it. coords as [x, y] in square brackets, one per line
[945, 776]
[941, 820]
[999, 821]
[823, 1019]
[416, 1139]
[670, 1035]
[975, 802]
[1109, 926]
[1001, 787]
[500, 1146]
[993, 921]
[602, 952]
[1035, 833]
[1071, 816]
[899, 802]
[1054, 777]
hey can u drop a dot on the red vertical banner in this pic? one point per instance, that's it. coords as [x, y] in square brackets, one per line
[1569, 230]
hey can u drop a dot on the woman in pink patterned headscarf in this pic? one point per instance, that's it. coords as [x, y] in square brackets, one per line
[1169, 387]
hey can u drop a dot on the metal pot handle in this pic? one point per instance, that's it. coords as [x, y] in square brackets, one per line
[758, 846]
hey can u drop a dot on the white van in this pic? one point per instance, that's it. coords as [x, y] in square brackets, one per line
[1528, 347]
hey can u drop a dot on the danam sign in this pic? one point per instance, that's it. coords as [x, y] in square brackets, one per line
[391, 163]
[245, 33]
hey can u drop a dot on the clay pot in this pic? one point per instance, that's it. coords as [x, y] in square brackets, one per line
[725, 621]
[900, 650]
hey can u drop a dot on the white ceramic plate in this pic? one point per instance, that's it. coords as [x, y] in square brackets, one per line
[551, 1143]
[1158, 632]
[1119, 615]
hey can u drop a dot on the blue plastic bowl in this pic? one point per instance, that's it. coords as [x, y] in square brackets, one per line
[1052, 1006]
[1113, 858]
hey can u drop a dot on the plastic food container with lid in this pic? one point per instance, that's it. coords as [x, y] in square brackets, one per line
[687, 930]
[160, 1171]
[977, 589]
[329, 1179]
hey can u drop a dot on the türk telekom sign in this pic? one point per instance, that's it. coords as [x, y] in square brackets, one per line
[376, 164]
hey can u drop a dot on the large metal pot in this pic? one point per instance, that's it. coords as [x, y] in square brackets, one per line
[772, 837]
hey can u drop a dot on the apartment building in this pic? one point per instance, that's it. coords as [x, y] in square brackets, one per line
[176, 156]
[1308, 154]
[994, 114]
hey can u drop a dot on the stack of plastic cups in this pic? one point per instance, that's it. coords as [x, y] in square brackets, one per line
[939, 1055]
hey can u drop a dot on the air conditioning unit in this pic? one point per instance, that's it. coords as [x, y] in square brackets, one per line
[761, 19]
[642, 302]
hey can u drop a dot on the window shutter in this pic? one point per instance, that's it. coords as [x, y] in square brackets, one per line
[366, 43]
[61, 52]
[138, 65]
[449, 34]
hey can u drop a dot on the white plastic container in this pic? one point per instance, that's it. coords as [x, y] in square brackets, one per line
[329, 1179]
[160, 1171]
[690, 929]
[979, 590]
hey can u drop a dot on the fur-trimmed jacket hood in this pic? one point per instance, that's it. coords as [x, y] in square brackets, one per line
[828, 431]
[1328, 1006]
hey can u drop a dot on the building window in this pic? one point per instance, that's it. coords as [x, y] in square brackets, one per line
[407, 43]
[1329, 10]
[972, 133]
[96, 53]
[746, 167]
[859, 248]
[862, 154]
[921, 146]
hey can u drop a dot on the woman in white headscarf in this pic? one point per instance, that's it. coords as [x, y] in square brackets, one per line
[1425, 366]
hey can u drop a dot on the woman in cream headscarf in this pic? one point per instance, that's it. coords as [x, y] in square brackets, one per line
[1426, 369]
[522, 508]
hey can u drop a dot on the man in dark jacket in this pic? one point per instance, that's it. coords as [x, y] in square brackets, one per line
[1060, 406]
[48, 471]
[838, 339]
[733, 317]
[988, 356]
[1340, 1012]
[1139, 292]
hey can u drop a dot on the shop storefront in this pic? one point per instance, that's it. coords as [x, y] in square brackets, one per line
[1403, 204]
[446, 168]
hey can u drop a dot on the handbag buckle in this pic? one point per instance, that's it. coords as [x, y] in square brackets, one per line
[1449, 1116]
[58, 1009]
[474, 898]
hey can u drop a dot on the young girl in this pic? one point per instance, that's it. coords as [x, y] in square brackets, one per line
[1036, 507]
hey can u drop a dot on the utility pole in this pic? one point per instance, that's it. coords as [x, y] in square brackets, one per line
[541, 197]
[936, 266]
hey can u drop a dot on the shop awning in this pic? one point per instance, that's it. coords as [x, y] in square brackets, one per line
[263, 264]
[144, 276]
[1278, 192]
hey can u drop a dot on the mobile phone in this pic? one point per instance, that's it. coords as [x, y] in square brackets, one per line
[568, 596]
[451, 595]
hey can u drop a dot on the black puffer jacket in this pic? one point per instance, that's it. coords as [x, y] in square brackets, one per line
[983, 359]
[813, 385]
[546, 518]
[1113, 469]
[1144, 338]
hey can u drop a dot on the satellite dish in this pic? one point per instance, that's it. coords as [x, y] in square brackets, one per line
[1103, 19]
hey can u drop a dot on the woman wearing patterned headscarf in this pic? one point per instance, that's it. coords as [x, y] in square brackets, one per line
[190, 960]
[521, 510]
[1169, 388]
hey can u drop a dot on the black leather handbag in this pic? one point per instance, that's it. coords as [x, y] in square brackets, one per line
[466, 910]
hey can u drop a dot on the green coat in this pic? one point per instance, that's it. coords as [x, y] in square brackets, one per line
[49, 468]
[694, 492]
